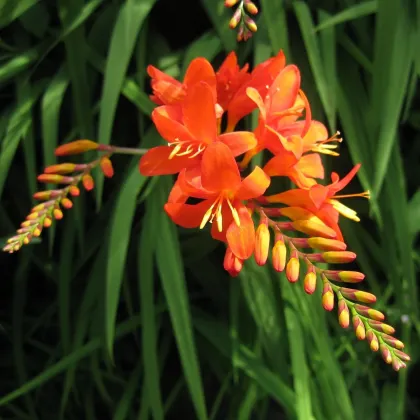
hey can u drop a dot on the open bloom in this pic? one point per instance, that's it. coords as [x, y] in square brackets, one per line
[167, 90]
[218, 183]
[189, 128]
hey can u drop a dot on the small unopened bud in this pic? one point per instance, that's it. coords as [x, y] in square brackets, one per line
[236, 18]
[325, 244]
[74, 191]
[262, 243]
[358, 295]
[250, 24]
[369, 312]
[359, 328]
[386, 354]
[42, 195]
[230, 3]
[372, 340]
[279, 254]
[47, 222]
[106, 166]
[380, 326]
[402, 355]
[62, 168]
[250, 7]
[66, 203]
[309, 283]
[327, 297]
[88, 182]
[76, 147]
[344, 276]
[343, 314]
[292, 268]
[232, 264]
[392, 341]
[338, 257]
[55, 179]
[58, 214]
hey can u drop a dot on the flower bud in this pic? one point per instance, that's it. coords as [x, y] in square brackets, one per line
[343, 314]
[357, 295]
[76, 147]
[106, 166]
[309, 283]
[250, 7]
[262, 243]
[338, 257]
[62, 168]
[402, 355]
[74, 191]
[279, 254]
[58, 214]
[372, 340]
[292, 268]
[250, 24]
[369, 312]
[327, 297]
[386, 354]
[359, 328]
[236, 18]
[55, 179]
[232, 264]
[380, 326]
[88, 182]
[66, 203]
[325, 244]
[230, 3]
[392, 341]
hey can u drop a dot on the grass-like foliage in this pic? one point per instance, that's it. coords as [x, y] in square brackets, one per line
[114, 312]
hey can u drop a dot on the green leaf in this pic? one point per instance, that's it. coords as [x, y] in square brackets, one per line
[124, 36]
[357, 11]
[11, 10]
[170, 268]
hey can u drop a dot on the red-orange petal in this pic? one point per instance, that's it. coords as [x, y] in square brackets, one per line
[166, 120]
[199, 113]
[338, 184]
[219, 168]
[166, 89]
[187, 215]
[241, 239]
[254, 185]
[156, 162]
[318, 195]
[284, 90]
[200, 70]
[280, 165]
[311, 165]
[239, 142]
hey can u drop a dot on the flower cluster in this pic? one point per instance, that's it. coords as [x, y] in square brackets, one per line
[241, 19]
[299, 227]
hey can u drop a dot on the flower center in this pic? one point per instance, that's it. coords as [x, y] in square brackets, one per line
[186, 148]
[215, 212]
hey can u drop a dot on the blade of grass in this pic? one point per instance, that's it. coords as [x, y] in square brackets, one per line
[124, 36]
[170, 268]
[9, 11]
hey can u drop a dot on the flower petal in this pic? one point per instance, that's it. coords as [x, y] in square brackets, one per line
[311, 165]
[337, 184]
[284, 90]
[239, 142]
[219, 169]
[156, 162]
[318, 195]
[280, 165]
[254, 185]
[255, 96]
[187, 215]
[199, 113]
[200, 70]
[167, 124]
[241, 239]
[165, 88]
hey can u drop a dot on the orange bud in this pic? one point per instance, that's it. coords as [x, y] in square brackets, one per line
[386, 354]
[235, 19]
[397, 364]
[343, 314]
[240, 35]
[359, 328]
[55, 179]
[369, 312]
[351, 276]
[37, 231]
[42, 195]
[380, 326]
[334, 257]
[32, 216]
[327, 244]
[230, 3]
[38, 207]
[232, 264]
[358, 295]
[47, 222]
[402, 355]
[26, 240]
[312, 228]
[62, 168]
[392, 341]
[250, 24]
[106, 166]
[279, 255]
[250, 7]
[327, 297]
[88, 182]
[309, 283]
[74, 191]
[372, 340]
[76, 147]
[58, 214]
[66, 203]
[292, 267]
[262, 243]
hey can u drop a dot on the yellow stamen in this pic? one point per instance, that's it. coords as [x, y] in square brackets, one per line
[323, 147]
[365, 194]
[175, 151]
[234, 213]
[215, 211]
[344, 210]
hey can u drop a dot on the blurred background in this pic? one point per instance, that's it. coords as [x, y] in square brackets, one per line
[117, 314]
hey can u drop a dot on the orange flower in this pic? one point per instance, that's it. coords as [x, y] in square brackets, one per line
[167, 90]
[189, 129]
[218, 183]
[261, 79]
[229, 79]
[321, 200]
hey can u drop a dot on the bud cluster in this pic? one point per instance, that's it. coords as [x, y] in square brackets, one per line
[241, 19]
[67, 174]
[288, 253]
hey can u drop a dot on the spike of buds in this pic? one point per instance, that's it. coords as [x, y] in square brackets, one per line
[76, 147]
[343, 314]
[292, 268]
[262, 242]
[359, 328]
